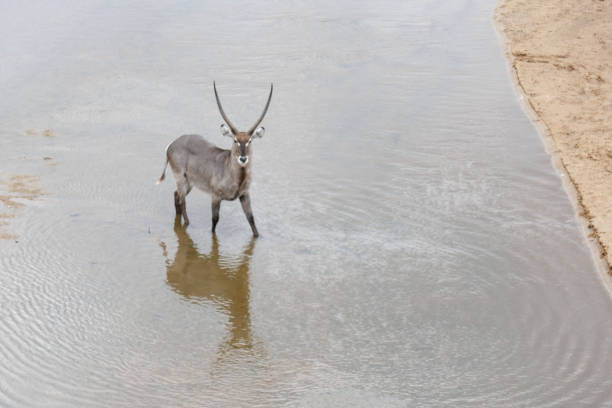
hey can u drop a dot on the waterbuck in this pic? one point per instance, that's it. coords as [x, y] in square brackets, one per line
[225, 174]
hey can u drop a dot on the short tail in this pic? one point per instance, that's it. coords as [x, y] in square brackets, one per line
[163, 176]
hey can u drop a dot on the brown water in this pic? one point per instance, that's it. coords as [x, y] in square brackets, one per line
[417, 246]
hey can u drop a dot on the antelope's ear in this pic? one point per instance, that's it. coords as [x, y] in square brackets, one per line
[259, 132]
[225, 130]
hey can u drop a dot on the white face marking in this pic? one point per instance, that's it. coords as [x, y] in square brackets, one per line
[241, 163]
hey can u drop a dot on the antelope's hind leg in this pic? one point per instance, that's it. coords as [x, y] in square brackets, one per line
[180, 195]
[181, 207]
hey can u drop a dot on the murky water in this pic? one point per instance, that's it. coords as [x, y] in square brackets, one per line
[417, 247]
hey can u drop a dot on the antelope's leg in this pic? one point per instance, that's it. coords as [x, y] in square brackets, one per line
[180, 195]
[245, 200]
[184, 211]
[177, 203]
[216, 204]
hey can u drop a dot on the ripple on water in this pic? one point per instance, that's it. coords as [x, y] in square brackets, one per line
[416, 249]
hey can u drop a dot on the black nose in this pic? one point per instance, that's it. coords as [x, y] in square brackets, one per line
[243, 159]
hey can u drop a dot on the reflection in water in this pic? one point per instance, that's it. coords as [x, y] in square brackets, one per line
[419, 246]
[216, 278]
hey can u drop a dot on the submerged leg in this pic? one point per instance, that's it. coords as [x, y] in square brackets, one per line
[245, 200]
[181, 208]
[184, 211]
[177, 222]
[216, 205]
[182, 189]
[177, 203]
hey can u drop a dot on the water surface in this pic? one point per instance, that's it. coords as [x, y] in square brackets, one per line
[417, 246]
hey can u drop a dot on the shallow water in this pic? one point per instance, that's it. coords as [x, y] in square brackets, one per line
[417, 246]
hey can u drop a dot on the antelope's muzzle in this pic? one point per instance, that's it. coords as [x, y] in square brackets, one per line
[243, 160]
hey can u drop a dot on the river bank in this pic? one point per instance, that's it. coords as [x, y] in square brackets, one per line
[562, 59]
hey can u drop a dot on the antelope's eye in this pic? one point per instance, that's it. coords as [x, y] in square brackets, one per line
[235, 141]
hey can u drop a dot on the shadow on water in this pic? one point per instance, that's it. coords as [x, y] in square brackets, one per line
[213, 277]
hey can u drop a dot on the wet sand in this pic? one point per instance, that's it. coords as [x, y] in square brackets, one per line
[562, 58]
[15, 190]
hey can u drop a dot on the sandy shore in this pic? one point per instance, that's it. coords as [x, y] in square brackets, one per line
[561, 53]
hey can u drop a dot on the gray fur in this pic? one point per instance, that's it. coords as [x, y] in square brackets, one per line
[198, 163]
[224, 174]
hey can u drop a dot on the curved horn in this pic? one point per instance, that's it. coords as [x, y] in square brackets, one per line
[232, 127]
[264, 111]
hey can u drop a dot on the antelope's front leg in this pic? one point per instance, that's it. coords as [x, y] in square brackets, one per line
[216, 205]
[245, 200]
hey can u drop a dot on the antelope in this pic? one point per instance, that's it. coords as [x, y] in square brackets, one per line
[223, 173]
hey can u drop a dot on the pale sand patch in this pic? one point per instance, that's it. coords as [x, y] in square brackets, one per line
[13, 190]
[561, 52]
[46, 133]
[6, 235]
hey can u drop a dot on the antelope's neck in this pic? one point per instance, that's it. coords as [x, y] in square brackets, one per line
[239, 173]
